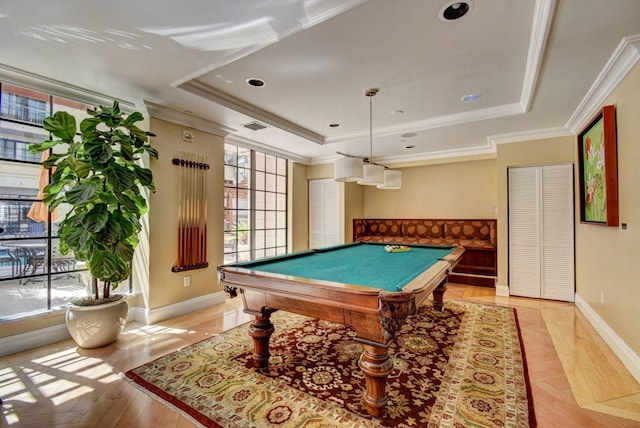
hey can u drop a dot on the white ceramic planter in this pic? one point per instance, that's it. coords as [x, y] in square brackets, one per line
[95, 326]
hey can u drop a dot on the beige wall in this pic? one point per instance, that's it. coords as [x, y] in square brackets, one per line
[166, 287]
[448, 191]
[540, 152]
[299, 207]
[608, 258]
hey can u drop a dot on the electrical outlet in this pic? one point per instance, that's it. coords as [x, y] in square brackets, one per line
[187, 281]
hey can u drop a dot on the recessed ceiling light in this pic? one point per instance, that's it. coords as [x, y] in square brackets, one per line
[255, 82]
[455, 10]
[408, 134]
[334, 125]
[469, 98]
[409, 147]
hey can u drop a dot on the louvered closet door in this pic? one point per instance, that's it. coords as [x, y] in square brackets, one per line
[557, 233]
[541, 243]
[323, 213]
[524, 232]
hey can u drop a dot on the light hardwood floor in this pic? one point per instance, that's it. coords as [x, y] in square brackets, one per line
[60, 385]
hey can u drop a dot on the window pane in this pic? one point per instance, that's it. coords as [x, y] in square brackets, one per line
[23, 104]
[271, 201]
[230, 197]
[230, 175]
[282, 166]
[259, 161]
[243, 219]
[260, 199]
[281, 202]
[230, 155]
[271, 183]
[260, 254]
[260, 181]
[244, 178]
[281, 250]
[270, 238]
[281, 186]
[244, 256]
[270, 164]
[259, 242]
[281, 236]
[22, 258]
[281, 220]
[259, 220]
[15, 140]
[270, 252]
[244, 158]
[270, 220]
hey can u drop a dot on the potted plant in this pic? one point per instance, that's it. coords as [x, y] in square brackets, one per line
[97, 175]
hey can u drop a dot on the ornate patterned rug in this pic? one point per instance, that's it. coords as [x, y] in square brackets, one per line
[463, 367]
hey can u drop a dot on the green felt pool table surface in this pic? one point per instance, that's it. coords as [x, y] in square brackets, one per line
[362, 264]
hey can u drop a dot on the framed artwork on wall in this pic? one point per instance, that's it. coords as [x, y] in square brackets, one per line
[598, 170]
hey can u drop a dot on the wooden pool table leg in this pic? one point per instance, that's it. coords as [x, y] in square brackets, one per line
[376, 365]
[438, 304]
[261, 330]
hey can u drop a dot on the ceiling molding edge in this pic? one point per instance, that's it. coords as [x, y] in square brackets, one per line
[623, 59]
[35, 81]
[195, 122]
[542, 22]
[256, 145]
[535, 134]
[438, 122]
[209, 93]
[397, 161]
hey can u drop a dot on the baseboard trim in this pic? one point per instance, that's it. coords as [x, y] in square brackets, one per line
[33, 339]
[151, 316]
[630, 359]
[502, 290]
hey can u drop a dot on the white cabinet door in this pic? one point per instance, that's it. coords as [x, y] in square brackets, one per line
[323, 213]
[541, 232]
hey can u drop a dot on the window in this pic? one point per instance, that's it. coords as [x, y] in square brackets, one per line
[35, 277]
[255, 204]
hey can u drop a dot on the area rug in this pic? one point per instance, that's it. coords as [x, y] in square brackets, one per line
[462, 367]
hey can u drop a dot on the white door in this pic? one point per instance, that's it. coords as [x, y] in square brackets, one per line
[541, 232]
[323, 213]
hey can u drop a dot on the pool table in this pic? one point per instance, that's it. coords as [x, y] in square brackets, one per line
[360, 285]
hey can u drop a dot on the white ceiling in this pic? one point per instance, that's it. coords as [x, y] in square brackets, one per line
[531, 61]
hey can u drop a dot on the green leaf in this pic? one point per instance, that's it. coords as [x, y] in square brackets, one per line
[134, 117]
[144, 175]
[81, 193]
[152, 152]
[62, 125]
[96, 218]
[119, 177]
[126, 150]
[42, 147]
[99, 151]
[127, 203]
[89, 125]
[106, 265]
[52, 159]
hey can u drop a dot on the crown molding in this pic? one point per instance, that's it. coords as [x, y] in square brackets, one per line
[209, 93]
[255, 145]
[542, 22]
[39, 82]
[535, 134]
[438, 122]
[623, 59]
[174, 116]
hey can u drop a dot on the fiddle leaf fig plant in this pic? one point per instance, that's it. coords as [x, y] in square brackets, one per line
[96, 173]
